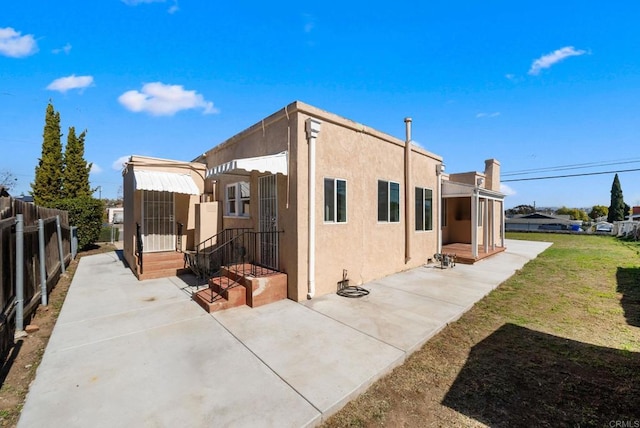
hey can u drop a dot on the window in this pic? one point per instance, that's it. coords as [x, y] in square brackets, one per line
[335, 200]
[424, 211]
[445, 212]
[237, 199]
[388, 201]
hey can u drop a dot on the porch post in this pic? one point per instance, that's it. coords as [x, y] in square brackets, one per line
[502, 223]
[485, 225]
[474, 224]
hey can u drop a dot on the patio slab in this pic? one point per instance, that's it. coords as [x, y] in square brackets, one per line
[130, 353]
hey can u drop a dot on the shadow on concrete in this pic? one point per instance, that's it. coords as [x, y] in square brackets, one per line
[190, 283]
[629, 285]
[120, 254]
[521, 377]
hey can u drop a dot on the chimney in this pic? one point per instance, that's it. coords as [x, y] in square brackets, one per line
[492, 174]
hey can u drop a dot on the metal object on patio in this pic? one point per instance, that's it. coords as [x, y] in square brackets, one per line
[346, 290]
[446, 260]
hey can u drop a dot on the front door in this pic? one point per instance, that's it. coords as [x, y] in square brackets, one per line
[158, 221]
[268, 222]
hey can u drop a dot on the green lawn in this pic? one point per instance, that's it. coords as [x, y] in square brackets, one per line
[558, 344]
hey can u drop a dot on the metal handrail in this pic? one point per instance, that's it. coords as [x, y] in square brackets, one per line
[241, 250]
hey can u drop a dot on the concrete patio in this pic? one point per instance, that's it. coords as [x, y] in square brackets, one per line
[130, 353]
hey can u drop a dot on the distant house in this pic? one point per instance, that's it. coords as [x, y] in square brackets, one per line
[541, 222]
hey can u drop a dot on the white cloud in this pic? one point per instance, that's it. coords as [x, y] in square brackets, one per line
[119, 163]
[66, 49]
[494, 114]
[64, 84]
[172, 9]
[159, 99]
[14, 45]
[508, 191]
[95, 169]
[546, 61]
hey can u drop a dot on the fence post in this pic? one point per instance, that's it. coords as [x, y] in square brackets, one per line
[59, 229]
[43, 261]
[19, 272]
[74, 241]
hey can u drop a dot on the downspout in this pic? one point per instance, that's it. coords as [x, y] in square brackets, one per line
[407, 191]
[439, 170]
[312, 128]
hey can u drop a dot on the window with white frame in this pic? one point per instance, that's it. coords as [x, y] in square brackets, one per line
[335, 200]
[424, 209]
[388, 201]
[237, 199]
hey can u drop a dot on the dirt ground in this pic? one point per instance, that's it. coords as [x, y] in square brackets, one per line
[19, 367]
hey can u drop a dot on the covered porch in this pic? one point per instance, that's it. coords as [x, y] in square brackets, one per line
[473, 221]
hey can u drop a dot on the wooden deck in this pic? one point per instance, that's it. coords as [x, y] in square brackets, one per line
[463, 252]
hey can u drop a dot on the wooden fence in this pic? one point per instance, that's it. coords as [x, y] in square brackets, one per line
[36, 245]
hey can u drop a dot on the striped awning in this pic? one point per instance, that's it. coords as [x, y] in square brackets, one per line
[165, 182]
[274, 164]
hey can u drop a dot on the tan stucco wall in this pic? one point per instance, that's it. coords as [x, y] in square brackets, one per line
[345, 150]
[272, 135]
[367, 249]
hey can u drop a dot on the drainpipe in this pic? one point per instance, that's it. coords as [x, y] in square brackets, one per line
[312, 128]
[439, 170]
[407, 191]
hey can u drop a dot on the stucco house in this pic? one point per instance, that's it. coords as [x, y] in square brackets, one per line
[309, 195]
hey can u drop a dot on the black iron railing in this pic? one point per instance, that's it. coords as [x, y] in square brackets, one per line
[206, 260]
[242, 251]
[139, 247]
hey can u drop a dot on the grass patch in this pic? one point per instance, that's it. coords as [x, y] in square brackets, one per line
[558, 344]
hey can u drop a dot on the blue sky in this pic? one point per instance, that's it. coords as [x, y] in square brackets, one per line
[533, 84]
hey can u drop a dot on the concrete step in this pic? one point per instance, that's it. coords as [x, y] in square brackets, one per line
[220, 283]
[161, 273]
[211, 301]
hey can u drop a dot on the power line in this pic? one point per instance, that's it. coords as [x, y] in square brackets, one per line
[569, 167]
[570, 175]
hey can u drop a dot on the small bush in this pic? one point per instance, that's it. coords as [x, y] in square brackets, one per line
[105, 234]
[85, 213]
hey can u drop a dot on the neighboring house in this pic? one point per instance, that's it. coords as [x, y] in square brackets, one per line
[115, 215]
[318, 195]
[542, 222]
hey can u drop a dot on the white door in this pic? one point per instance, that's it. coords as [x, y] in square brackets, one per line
[158, 221]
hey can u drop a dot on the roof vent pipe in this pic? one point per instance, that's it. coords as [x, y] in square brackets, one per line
[407, 191]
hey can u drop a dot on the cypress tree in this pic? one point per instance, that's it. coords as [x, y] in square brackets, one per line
[47, 186]
[75, 182]
[617, 208]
